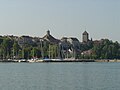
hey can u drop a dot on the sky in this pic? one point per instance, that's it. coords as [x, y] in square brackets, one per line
[64, 18]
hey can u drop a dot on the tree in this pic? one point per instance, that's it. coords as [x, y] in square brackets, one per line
[6, 46]
[16, 48]
[107, 50]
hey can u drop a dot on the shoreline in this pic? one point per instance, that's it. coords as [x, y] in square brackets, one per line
[50, 61]
[108, 60]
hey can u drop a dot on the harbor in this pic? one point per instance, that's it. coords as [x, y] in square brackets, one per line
[57, 60]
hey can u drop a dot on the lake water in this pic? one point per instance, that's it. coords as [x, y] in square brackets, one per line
[60, 76]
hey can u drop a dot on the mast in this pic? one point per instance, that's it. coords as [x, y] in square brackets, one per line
[41, 47]
[49, 52]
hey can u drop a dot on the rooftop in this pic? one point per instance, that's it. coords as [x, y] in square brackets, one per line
[85, 33]
[50, 38]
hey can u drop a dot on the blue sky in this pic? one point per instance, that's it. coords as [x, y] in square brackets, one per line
[101, 18]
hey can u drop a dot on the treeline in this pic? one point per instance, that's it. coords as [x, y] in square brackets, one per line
[10, 49]
[105, 49]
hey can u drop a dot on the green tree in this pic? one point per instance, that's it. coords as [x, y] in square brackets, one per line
[16, 48]
[6, 46]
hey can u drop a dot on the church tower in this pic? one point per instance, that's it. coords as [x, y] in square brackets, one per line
[85, 37]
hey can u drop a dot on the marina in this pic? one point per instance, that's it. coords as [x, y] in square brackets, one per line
[59, 60]
[59, 44]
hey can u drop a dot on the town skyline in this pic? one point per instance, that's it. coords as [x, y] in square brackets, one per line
[101, 18]
[79, 38]
[26, 47]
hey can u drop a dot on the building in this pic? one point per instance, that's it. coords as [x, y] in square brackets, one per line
[64, 43]
[70, 43]
[48, 37]
[69, 47]
[87, 52]
[85, 37]
[25, 40]
[74, 42]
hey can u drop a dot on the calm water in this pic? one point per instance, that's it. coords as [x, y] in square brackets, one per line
[60, 76]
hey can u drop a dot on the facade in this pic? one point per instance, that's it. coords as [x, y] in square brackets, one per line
[74, 42]
[70, 42]
[69, 47]
[87, 52]
[64, 43]
[25, 40]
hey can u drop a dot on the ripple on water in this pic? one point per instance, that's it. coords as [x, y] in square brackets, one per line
[59, 76]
